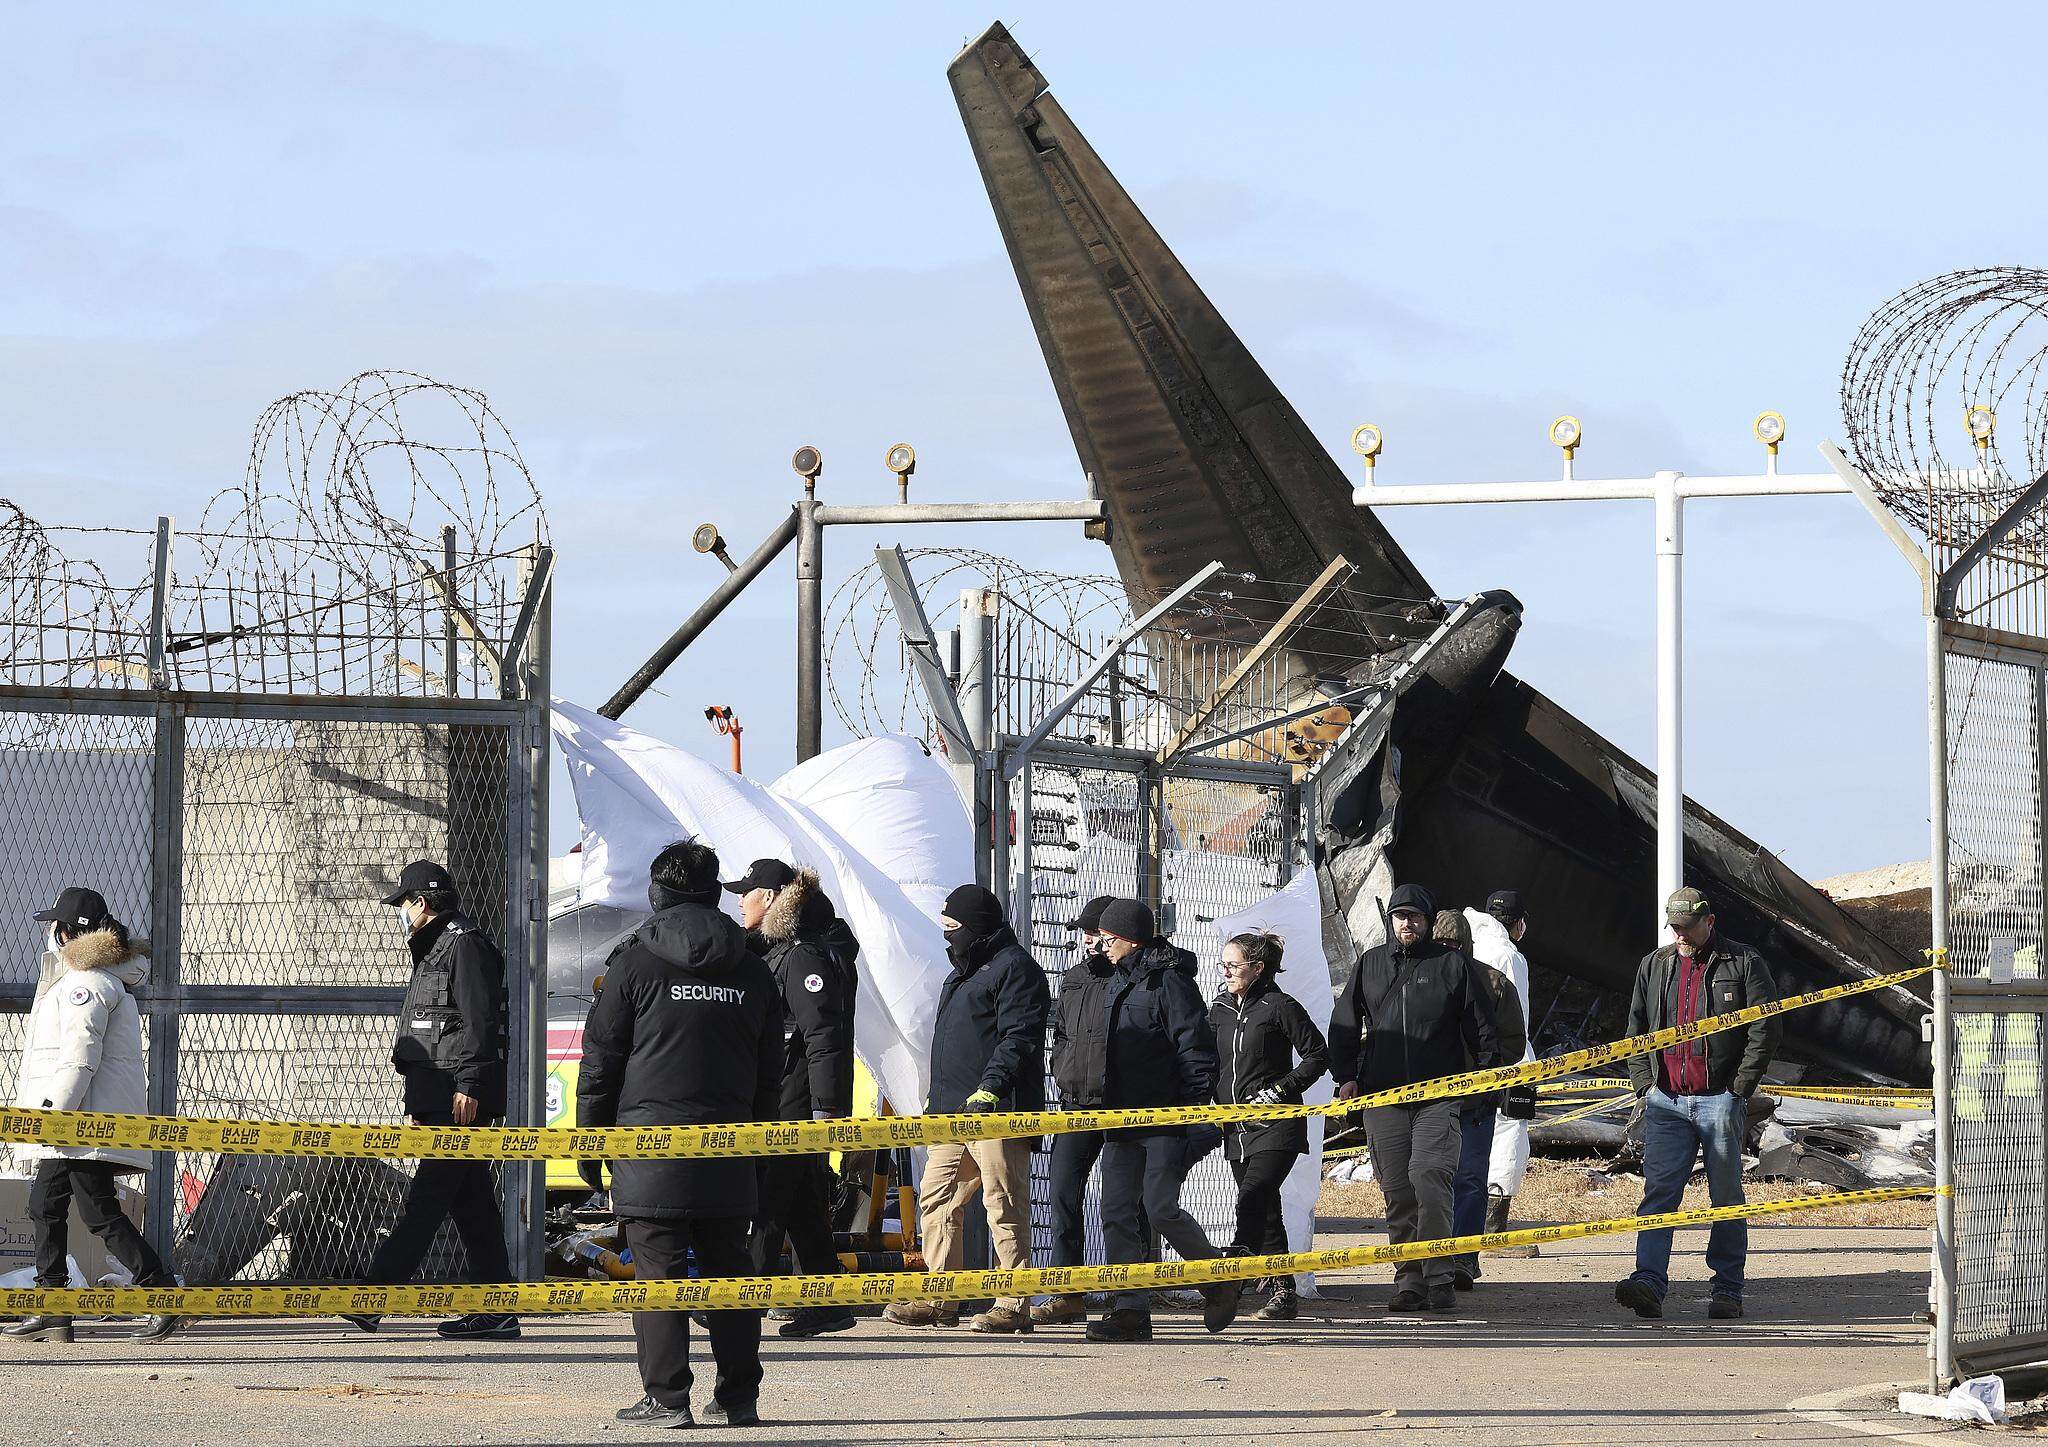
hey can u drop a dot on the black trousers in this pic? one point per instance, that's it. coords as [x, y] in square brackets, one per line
[1141, 1178]
[57, 1181]
[440, 1191]
[1073, 1157]
[796, 1202]
[1261, 1228]
[661, 1339]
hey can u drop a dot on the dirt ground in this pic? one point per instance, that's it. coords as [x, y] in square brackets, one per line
[1538, 1356]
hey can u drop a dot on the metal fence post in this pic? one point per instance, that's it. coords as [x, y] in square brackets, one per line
[810, 633]
[527, 1005]
[166, 923]
[1944, 1284]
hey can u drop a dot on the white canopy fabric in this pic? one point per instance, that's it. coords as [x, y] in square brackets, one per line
[879, 819]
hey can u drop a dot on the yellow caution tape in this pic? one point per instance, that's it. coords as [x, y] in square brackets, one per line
[852, 1289]
[773, 1138]
[1583, 1111]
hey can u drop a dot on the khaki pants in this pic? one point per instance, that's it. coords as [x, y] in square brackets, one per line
[953, 1172]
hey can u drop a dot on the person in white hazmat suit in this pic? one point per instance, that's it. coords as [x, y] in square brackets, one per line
[1497, 933]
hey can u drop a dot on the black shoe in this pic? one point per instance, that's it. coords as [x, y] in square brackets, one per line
[740, 1414]
[1443, 1298]
[816, 1321]
[1725, 1308]
[40, 1328]
[1462, 1281]
[157, 1328]
[1407, 1300]
[362, 1321]
[1122, 1325]
[1220, 1299]
[481, 1326]
[649, 1413]
[1639, 1297]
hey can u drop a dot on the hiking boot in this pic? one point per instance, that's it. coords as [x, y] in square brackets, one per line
[40, 1328]
[1060, 1311]
[1639, 1297]
[1125, 1324]
[1001, 1321]
[1407, 1299]
[1220, 1299]
[922, 1313]
[816, 1321]
[734, 1414]
[481, 1326]
[1282, 1305]
[649, 1413]
[1724, 1308]
[1497, 1222]
[1443, 1298]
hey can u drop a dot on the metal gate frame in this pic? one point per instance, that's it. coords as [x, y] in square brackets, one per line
[167, 998]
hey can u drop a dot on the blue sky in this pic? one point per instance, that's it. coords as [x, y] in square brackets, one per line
[673, 242]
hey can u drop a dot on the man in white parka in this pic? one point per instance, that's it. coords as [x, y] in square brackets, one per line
[1497, 933]
[82, 1050]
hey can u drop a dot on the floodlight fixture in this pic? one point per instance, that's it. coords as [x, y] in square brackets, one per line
[1981, 422]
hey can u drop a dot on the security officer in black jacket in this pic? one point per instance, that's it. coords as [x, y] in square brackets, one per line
[686, 1030]
[1413, 1010]
[1161, 1051]
[450, 1054]
[1080, 1060]
[799, 936]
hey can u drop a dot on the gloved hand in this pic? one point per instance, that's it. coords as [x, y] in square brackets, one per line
[592, 1173]
[1202, 1138]
[981, 1100]
[1269, 1096]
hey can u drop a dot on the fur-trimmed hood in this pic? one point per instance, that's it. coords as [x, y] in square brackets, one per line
[102, 950]
[785, 917]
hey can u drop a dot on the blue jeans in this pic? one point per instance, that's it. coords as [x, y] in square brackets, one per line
[1676, 1129]
[1468, 1186]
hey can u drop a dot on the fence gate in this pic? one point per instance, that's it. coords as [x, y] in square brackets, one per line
[1996, 696]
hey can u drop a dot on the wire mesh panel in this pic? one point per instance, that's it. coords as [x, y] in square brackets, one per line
[1994, 823]
[1997, 1146]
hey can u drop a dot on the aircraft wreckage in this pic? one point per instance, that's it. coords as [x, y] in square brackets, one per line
[1472, 780]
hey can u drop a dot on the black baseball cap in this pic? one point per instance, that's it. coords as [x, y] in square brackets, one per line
[762, 874]
[1090, 917]
[76, 908]
[417, 878]
[1505, 905]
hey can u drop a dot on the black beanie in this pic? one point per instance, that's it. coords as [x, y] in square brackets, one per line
[1412, 896]
[1129, 919]
[1090, 917]
[980, 914]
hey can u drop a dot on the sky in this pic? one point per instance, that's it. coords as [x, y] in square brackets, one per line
[673, 242]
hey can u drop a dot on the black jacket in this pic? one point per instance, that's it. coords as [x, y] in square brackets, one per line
[1422, 1011]
[1736, 978]
[1080, 1032]
[989, 1033]
[687, 1030]
[1268, 1040]
[451, 1033]
[1161, 1050]
[811, 953]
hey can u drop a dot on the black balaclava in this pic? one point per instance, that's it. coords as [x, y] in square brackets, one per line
[979, 915]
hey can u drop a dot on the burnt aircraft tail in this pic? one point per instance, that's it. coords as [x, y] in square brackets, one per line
[1471, 782]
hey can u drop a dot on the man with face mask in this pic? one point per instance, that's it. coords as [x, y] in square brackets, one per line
[450, 1053]
[1079, 1065]
[1413, 1010]
[988, 1053]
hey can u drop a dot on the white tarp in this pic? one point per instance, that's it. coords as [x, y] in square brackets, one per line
[1296, 915]
[879, 819]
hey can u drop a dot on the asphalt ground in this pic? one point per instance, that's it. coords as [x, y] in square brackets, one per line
[1540, 1354]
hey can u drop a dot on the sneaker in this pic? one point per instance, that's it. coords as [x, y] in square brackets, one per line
[1282, 1305]
[816, 1321]
[481, 1326]
[1407, 1299]
[1724, 1308]
[922, 1313]
[1060, 1311]
[1639, 1297]
[775, 1313]
[1001, 1320]
[734, 1414]
[1443, 1298]
[1125, 1324]
[649, 1413]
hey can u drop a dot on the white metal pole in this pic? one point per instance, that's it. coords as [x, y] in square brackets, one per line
[1944, 1032]
[1670, 545]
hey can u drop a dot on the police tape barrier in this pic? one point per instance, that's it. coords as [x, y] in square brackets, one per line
[1881, 1097]
[853, 1289]
[775, 1138]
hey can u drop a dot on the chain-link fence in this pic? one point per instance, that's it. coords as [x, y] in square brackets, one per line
[1999, 1148]
[251, 843]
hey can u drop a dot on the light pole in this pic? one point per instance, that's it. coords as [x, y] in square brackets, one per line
[1669, 491]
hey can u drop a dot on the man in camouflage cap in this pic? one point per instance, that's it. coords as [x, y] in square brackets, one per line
[1696, 1095]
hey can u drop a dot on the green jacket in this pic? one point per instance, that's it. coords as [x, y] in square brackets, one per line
[1736, 978]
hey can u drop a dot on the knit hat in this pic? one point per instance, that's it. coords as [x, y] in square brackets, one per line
[1129, 919]
[1412, 896]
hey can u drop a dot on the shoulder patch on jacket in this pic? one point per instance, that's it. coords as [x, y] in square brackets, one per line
[814, 983]
[80, 995]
